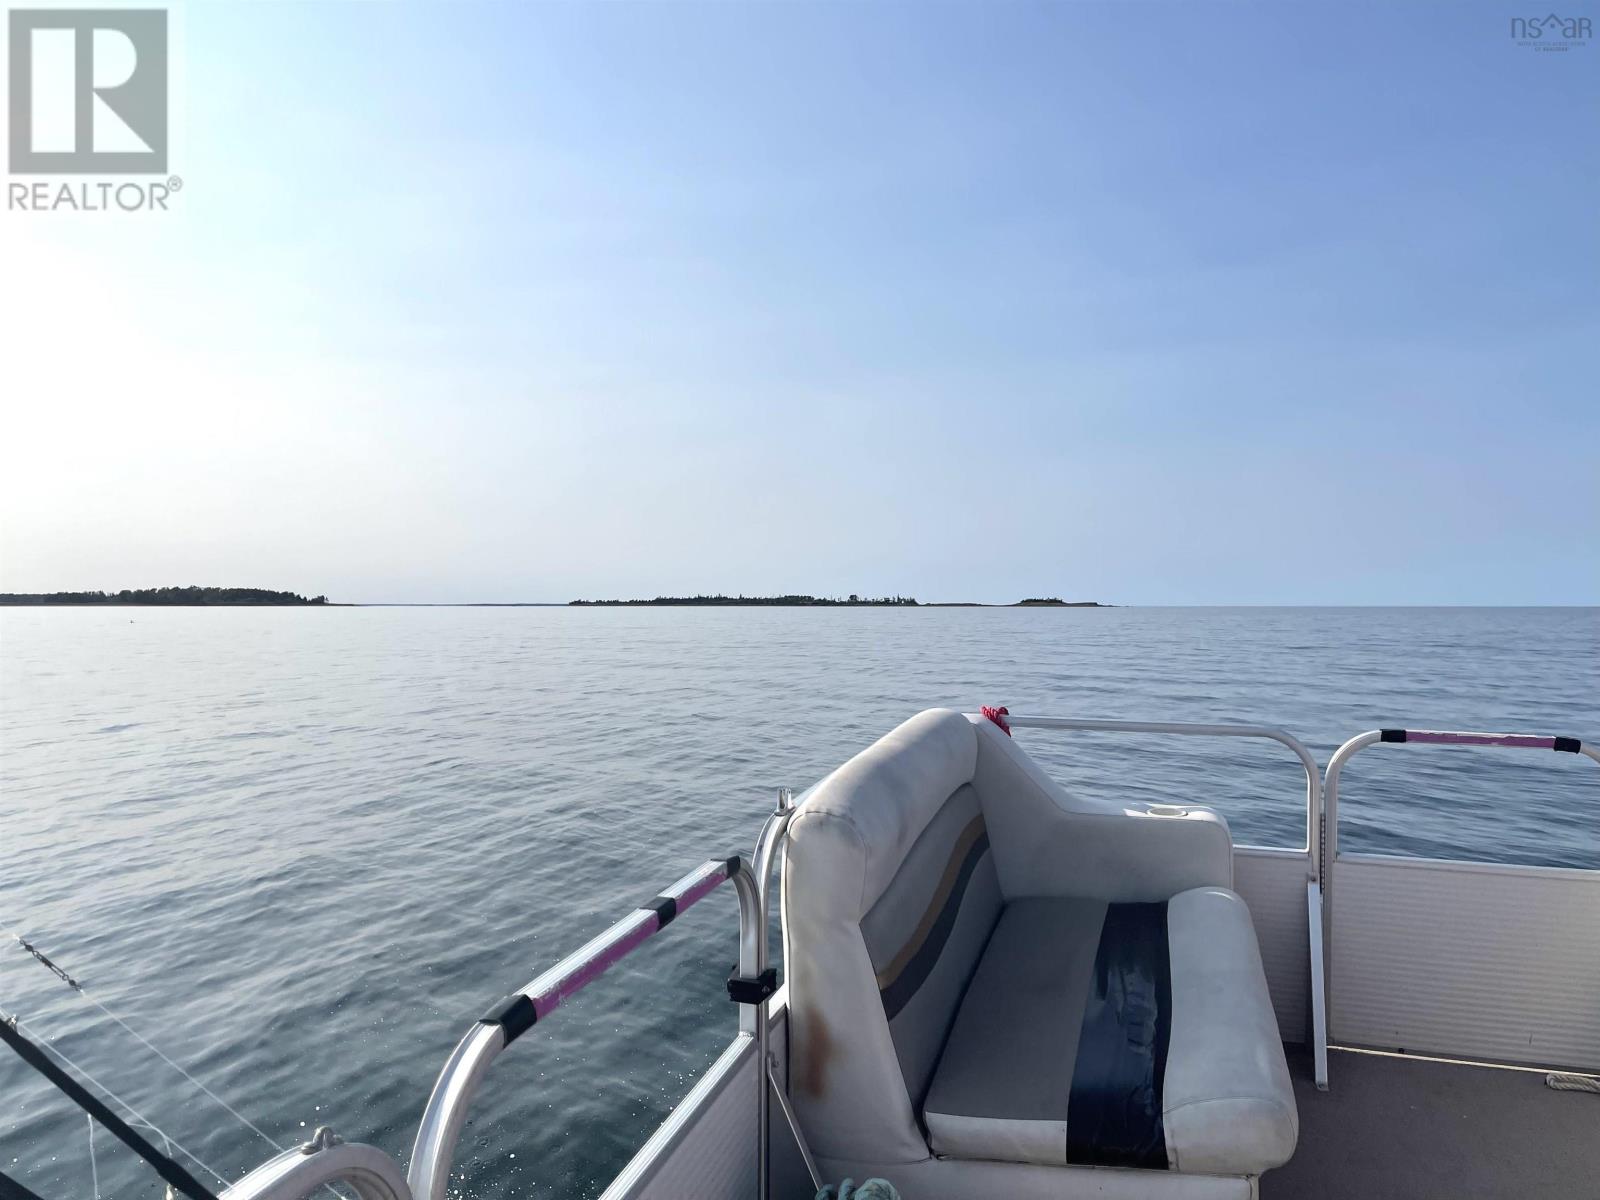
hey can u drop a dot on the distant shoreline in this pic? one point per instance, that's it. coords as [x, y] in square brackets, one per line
[802, 601]
[172, 597]
[199, 597]
[1019, 604]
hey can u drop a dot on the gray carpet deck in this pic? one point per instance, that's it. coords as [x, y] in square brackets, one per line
[1398, 1127]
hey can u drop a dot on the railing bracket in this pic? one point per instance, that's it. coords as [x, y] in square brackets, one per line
[742, 989]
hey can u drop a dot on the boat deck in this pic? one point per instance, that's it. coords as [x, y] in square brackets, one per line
[1415, 1128]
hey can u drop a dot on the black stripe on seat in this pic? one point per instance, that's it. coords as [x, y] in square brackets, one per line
[1114, 1110]
[915, 973]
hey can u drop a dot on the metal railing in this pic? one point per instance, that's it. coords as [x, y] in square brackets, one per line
[446, 1112]
[1192, 729]
[373, 1175]
[1427, 737]
[1316, 835]
[1432, 737]
[433, 1153]
[323, 1161]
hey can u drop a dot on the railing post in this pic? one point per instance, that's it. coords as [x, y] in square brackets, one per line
[757, 1015]
[1316, 924]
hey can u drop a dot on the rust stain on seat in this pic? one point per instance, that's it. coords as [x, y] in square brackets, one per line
[819, 1050]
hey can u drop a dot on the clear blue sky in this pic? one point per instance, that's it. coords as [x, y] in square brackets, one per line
[1192, 303]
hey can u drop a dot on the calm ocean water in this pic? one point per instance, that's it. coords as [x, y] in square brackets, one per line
[300, 849]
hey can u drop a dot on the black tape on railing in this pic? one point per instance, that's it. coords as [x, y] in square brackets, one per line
[515, 1015]
[169, 1169]
[1391, 735]
[1567, 746]
[10, 1189]
[664, 907]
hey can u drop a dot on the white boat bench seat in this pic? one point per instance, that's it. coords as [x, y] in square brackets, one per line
[1126, 1035]
[995, 985]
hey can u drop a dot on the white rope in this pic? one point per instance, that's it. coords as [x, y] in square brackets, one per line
[1563, 1082]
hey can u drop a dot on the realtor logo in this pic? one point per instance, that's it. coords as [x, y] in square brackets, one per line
[88, 91]
[1551, 32]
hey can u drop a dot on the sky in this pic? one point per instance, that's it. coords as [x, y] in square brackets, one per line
[1204, 303]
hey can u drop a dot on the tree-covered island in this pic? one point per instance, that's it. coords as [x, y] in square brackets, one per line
[166, 595]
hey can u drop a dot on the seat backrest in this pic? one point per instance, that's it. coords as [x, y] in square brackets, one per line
[889, 896]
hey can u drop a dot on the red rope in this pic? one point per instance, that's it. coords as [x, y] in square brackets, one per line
[998, 716]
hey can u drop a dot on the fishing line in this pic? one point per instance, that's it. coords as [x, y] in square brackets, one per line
[76, 985]
[94, 1167]
[137, 1036]
[32, 1053]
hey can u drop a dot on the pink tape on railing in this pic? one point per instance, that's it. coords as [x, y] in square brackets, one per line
[701, 890]
[585, 973]
[1439, 738]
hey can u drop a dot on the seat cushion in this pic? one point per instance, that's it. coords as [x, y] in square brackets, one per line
[1136, 1035]
[1227, 1103]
